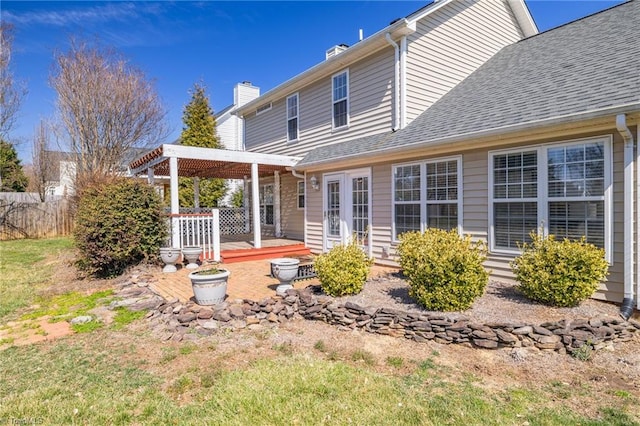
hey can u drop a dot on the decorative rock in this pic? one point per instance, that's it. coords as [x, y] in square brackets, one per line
[485, 343]
[523, 330]
[252, 320]
[236, 311]
[186, 317]
[205, 313]
[541, 330]
[221, 316]
[82, 319]
[505, 337]
[210, 325]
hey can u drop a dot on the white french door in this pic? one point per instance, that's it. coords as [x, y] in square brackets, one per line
[347, 207]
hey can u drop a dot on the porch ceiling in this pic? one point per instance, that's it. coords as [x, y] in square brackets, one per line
[210, 163]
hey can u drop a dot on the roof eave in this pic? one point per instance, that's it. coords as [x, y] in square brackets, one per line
[633, 108]
[363, 48]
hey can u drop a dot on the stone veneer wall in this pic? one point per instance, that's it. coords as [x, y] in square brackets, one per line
[180, 321]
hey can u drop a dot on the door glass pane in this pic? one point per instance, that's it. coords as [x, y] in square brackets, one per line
[360, 221]
[333, 209]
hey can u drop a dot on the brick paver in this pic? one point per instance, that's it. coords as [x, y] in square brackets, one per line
[248, 280]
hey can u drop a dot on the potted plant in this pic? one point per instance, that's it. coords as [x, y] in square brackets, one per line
[209, 285]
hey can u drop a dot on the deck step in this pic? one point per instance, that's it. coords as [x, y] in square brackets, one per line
[243, 255]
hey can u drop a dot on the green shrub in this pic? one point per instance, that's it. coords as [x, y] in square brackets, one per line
[559, 273]
[118, 224]
[444, 270]
[343, 270]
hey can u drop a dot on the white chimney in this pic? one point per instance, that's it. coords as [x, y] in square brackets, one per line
[335, 50]
[244, 92]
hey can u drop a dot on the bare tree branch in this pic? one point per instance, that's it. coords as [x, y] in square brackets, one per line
[106, 107]
[11, 92]
[44, 167]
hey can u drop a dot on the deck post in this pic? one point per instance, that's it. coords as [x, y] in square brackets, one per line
[255, 205]
[276, 203]
[175, 201]
[151, 179]
[216, 234]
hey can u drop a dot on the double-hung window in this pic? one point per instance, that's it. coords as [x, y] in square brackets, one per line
[301, 194]
[266, 204]
[340, 97]
[564, 189]
[427, 195]
[292, 118]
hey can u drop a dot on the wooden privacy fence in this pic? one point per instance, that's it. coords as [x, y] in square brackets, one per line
[28, 219]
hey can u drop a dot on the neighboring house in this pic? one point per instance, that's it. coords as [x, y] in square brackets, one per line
[60, 174]
[230, 129]
[379, 85]
[60, 171]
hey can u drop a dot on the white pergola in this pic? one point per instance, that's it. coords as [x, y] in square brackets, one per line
[196, 162]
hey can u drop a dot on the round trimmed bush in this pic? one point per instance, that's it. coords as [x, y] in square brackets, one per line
[343, 270]
[444, 270]
[118, 224]
[559, 273]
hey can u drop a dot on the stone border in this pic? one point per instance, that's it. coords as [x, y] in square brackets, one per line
[173, 320]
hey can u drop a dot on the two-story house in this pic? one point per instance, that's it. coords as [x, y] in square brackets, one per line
[459, 116]
[371, 89]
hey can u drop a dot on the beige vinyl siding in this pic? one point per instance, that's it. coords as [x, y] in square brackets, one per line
[450, 44]
[475, 169]
[291, 218]
[370, 110]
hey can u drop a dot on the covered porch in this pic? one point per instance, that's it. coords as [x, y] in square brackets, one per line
[221, 231]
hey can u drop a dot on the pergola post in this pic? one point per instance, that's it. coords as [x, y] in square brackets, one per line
[151, 178]
[276, 203]
[245, 205]
[255, 205]
[175, 201]
[196, 193]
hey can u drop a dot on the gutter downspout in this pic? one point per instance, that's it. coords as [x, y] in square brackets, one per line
[403, 82]
[306, 198]
[627, 303]
[396, 83]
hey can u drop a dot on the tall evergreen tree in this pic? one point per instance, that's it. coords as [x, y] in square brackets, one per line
[199, 129]
[12, 177]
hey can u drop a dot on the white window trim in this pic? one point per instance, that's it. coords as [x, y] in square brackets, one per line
[543, 199]
[333, 102]
[298, 194]
[423, 192]
[263, 204]
[264, 108]
[297, 116]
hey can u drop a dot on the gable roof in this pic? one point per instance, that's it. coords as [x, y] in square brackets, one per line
[585, 68]
[372, 44]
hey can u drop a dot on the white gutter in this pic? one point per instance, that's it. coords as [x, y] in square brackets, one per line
[403, 82]
[627, 303]
[396, 82]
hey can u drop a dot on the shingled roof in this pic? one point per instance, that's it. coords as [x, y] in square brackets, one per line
[591, 65]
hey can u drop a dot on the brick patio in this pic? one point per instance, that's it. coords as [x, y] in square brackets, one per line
[248, 280]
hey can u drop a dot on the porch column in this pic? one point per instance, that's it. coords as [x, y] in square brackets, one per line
[175, 201]
[196, 193]
[151, 178]
[276, 203]
[245, 205]
[255, 205]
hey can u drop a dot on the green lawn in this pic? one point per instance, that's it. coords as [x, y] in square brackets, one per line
[123, 375]
[26, 267]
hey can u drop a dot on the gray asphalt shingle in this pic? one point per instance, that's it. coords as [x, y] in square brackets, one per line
[586, 65]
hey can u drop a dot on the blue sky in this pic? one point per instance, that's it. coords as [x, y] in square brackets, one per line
[218, 43]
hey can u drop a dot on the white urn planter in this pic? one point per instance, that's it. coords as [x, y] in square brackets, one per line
[209, 285]
[169, 256]
[191, 255]
[284, 269]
